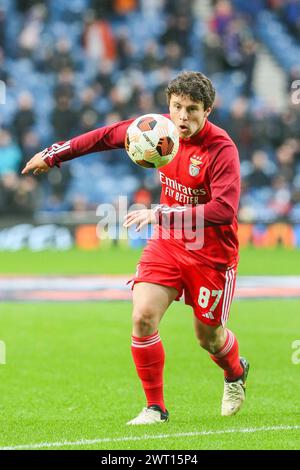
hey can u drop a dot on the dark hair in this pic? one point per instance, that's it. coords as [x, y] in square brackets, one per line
[193, 84]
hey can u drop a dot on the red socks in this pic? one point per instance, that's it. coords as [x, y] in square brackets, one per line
[228, 358]
[149, 358]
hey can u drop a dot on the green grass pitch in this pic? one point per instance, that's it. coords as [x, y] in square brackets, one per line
[116, 260]
[69, 381]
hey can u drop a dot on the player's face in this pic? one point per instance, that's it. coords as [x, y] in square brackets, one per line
[187, 115]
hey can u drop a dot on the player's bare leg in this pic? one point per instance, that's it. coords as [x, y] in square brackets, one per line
[223, 348]
[150, 302]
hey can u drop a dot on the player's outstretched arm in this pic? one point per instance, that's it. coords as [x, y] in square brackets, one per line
[104, 138]
[36, 165]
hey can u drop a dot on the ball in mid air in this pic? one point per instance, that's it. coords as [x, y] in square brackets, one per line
[152, 141]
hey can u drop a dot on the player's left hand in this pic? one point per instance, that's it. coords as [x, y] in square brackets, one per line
[140, 218]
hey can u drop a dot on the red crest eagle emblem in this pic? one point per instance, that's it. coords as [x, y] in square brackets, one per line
[194, 168]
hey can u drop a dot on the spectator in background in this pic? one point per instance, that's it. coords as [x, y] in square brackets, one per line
[30, 36]
[222, 17]
[267, 128]
[60, 57]
[26, 197]
[151, 59]
[2, 28]
[18, 196]
[261, 172]
[280, 203]
[173, 56]
[239, 126]
[213, 53]
[57, 185]
[232, 44]
[162, 77]
[64, 118]
[178, 31]
[111, 118]
[8, 186]
[249, 49]
[145, 103]
[290, 122]
[118, 102]
[30, 144]
[10, 153]
[294, 143]
[88, 114]
[125, 50]
[285, 157]
[236, 48]
[103, 82]
[98, 39]
[24, 118]
[65, 85]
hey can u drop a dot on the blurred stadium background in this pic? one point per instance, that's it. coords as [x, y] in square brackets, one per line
[67, 67]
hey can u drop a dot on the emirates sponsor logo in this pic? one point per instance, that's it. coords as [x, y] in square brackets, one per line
[176, 186]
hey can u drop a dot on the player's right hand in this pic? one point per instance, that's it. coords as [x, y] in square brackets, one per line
[140, 218]
[36, 164]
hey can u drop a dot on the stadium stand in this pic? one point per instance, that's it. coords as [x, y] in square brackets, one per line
[69, 67]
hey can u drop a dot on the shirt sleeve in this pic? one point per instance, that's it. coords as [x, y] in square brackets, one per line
[225, 188]
[224, 175]
[103, 138]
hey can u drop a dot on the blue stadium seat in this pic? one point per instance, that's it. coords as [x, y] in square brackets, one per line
[275, 36]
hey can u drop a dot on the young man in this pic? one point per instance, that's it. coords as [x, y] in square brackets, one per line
[200, 188]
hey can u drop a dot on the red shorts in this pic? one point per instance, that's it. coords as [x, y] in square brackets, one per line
[208, 291]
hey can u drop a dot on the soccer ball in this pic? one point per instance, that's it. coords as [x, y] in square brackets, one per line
[152, 141]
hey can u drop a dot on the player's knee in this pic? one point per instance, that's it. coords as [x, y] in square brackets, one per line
[145, 320]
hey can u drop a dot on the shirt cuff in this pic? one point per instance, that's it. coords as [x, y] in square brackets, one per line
[56, 153]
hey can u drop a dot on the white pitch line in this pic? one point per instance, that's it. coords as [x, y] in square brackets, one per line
[83, 442]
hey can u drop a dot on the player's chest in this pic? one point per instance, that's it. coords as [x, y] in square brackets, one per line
[186, 179]
[190, 166]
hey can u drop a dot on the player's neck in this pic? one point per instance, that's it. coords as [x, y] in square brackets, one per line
[202, 127]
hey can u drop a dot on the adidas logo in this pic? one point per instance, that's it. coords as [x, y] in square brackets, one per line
[208, 315]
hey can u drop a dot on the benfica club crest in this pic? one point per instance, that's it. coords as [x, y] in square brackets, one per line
[194, 168]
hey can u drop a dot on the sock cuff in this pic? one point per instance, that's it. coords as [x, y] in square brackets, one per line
[145, 341]
[230, 340]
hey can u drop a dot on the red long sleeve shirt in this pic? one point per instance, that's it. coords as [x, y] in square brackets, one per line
[200, 187]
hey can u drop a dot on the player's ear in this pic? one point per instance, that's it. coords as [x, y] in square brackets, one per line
[207, 112]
